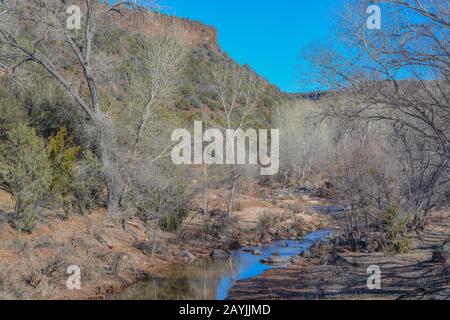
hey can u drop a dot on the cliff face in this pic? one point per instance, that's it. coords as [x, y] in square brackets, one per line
[195, 32]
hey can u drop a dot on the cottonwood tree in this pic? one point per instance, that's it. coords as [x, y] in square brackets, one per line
[306, 142]
[239, 92]
[399, 75]
[34, 34]
[150, 71]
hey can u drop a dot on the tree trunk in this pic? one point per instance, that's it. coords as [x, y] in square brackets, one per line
[111, 171]
[114, 195]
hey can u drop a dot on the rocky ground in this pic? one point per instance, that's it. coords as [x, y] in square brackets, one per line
[330, 272]
[116, 252]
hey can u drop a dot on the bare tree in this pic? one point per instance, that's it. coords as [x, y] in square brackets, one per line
[35, 33]
[306, 141]
[151, 76]
[399, 75]
[239, 91]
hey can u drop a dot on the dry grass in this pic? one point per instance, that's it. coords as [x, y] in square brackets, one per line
[265, 222]
[299, 206]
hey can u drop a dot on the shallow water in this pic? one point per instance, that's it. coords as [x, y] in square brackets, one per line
[212, 279]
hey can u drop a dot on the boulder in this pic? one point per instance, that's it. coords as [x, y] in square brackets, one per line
[220, 254]
[294, 260]
[256, 252]
[272, 260]
[187, 256]
[305, 197]
[233, 245]
[306, 254]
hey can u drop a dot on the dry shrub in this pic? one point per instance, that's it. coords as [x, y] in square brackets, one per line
[47, 241]
[10, 289]
[237, 205]
[265, 222]
[299, 206]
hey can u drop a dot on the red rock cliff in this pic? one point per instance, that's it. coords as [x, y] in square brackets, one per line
[194, 31]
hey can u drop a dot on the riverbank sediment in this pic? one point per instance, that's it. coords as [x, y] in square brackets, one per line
[114, 253]
[331, 272]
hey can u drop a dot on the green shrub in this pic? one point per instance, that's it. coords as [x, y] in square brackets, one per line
[188, 90]
[195, 102]
[215, 106]
[63, 158]
[25, 168]
[389, 215]
[87, 185]
[402, 245]
[172, 221]
[11, 115]
[395, 232]
[183, 104]
[76, 184]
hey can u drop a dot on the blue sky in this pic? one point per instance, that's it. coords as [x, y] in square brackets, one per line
[267, 35]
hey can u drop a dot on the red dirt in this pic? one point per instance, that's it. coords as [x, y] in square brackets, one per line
[33, 266]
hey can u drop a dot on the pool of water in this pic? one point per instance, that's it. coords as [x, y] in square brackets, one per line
[211, 279]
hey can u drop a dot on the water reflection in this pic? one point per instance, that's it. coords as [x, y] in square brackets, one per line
[212, 279]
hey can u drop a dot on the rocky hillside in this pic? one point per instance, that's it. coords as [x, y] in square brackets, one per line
[199, 34]
[206, 52]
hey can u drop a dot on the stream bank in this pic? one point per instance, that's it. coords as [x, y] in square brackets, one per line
[211, 279]
[115, 253]
[336, 273]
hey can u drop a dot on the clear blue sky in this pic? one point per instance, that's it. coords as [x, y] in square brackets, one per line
[267, 35]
